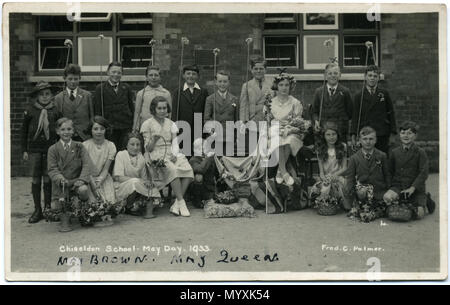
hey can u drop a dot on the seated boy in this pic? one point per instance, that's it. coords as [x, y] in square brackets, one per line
[369, 165]
[203, 187]
[409, 170]
[69, 167]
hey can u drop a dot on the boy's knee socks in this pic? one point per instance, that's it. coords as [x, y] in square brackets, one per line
[47, 194]
[36, 192]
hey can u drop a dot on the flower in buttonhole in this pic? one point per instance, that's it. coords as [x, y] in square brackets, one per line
[381, 96]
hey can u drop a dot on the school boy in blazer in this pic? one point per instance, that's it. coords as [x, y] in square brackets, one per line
[253, 93]
[223, 107]
[114, 101]
[409, 169]
[369, 165]
[75, 103]
[377, 111]
[337, 103]
[192, 100]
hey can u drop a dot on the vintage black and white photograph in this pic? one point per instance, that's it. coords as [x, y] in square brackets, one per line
[225, 141]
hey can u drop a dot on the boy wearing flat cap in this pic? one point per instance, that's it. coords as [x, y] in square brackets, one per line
[191, 101]
[37, 135]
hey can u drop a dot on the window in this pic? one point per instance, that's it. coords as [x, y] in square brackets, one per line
[135, 52]
[126, 39]
[302, 41]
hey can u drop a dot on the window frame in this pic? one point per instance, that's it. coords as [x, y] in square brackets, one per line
[115, 34]
[300, 32]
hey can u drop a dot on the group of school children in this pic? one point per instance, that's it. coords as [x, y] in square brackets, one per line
[71, 140]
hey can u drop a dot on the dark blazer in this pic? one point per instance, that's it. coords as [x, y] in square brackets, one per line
[375, 172]
[338, 107]
[224, 110]
[73, 164]
[189, 104]
[408, 168]
[118, 107]
[80, 110]
[30, 125]
[377, 112]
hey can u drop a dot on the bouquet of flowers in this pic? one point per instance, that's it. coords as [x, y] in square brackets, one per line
[100, 210]
[225, 197]
[323, 202]
[366, 207]
[267, 110]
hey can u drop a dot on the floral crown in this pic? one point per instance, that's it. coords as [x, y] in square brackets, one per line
[284, 75]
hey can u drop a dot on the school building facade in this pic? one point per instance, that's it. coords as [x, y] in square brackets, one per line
[405, 46]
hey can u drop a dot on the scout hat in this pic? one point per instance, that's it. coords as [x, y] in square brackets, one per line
[41, 85]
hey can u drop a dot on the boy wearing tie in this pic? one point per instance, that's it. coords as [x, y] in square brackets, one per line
[75, 103]
[333, 102]
[114, 101]
[377, 111]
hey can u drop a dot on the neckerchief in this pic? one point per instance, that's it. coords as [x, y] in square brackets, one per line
[43, 120]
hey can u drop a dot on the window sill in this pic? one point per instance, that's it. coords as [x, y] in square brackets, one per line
[319, 76]
[84, 78]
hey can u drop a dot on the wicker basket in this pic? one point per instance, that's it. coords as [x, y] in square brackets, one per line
[399, 212]
[327, 210]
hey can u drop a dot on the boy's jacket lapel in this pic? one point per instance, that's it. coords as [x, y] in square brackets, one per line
[67, 156]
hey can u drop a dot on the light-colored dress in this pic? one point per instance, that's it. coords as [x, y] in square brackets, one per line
[99, 155]
[143, 99]
[330, 167]
[178, 169]
[133, 167]
[282, 112]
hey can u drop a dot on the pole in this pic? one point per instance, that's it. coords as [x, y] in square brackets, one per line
[68, 43]
[368, 46]
[184, 41]
[248, 41]
[101, 37]
[152, 43]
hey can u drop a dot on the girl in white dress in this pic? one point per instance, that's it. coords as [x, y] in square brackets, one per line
[332, 159]
[102, 153]
[284, 137]
[132, 182]
[160, 144]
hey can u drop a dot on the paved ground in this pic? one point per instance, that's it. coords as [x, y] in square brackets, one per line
[302, 240]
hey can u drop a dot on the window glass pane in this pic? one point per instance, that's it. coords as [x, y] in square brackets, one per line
[53, 54]
[355, 50]
[316, 53]
[94, 53]
[358, 21]
[279, 22]
[135, 22]
[95, 26]
[135, 52]
[280, 51]
[55, 24]
[320, 21]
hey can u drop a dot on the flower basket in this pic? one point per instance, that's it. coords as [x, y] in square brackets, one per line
[327, 206]
[399, 212]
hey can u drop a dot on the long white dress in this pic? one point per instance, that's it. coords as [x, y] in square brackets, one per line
[99, 155]
[134, 168]
[178, 169]
[282, 112]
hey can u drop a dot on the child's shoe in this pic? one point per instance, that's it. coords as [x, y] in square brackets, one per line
[420, 212]
[183, 208]
[175, 208]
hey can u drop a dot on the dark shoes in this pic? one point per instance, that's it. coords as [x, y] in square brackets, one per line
[36, 217]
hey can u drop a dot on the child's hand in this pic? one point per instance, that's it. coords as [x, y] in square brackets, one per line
[78, 183]
[25, 156]
[148, 184]
[408, 192]
[173, 159]
[317, 126]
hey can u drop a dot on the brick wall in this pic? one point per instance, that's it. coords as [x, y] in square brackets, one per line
[409, 60]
